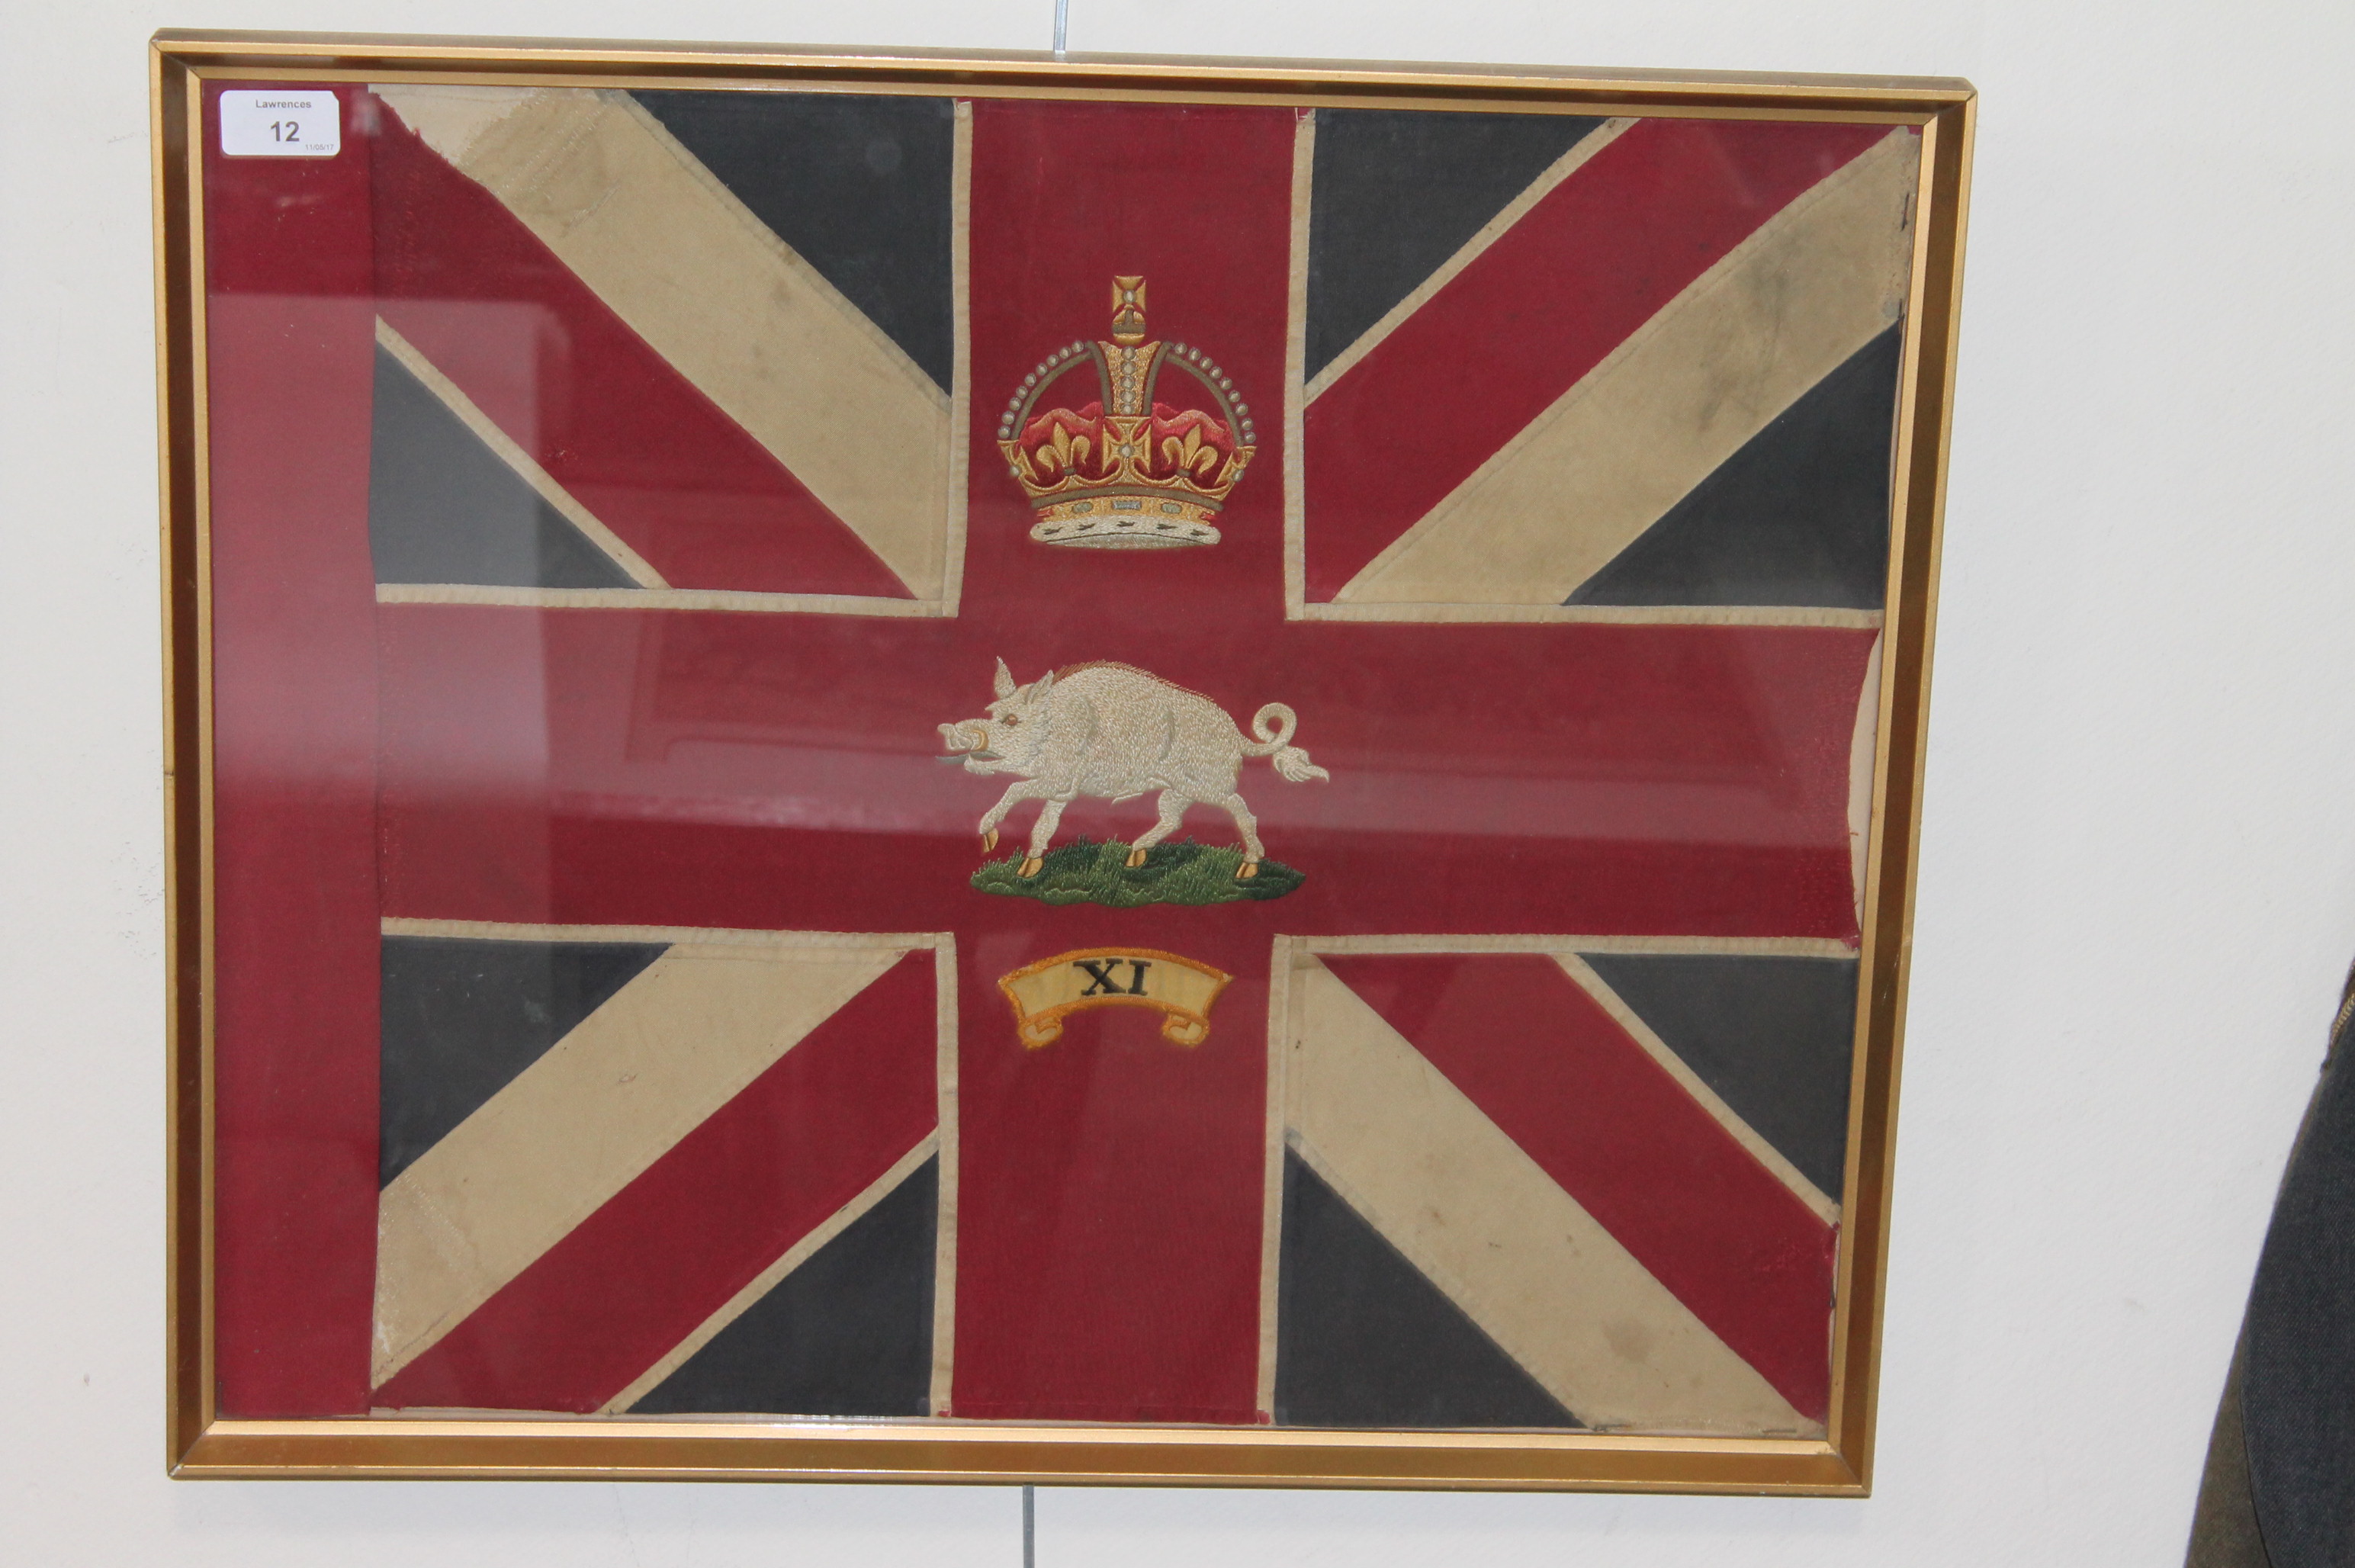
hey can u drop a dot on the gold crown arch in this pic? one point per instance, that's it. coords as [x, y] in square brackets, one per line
[1112, 482]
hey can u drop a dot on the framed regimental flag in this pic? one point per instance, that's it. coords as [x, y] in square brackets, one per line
[990, 768]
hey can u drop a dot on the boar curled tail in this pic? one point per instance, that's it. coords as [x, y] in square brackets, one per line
[1274, 725]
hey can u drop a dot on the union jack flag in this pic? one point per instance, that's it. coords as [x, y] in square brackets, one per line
[609, 1014]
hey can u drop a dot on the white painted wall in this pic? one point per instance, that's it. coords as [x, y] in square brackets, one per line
[2138, 860]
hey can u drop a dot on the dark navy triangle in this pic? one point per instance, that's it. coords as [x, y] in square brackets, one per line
[1363, 1340]
[444, 507]
[1773, 1037]
[848, 1333]
[1395, 192]
[1799, 516]
[462, 1018]
[860, 187]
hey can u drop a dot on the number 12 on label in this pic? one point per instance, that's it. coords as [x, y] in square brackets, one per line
[280, 123]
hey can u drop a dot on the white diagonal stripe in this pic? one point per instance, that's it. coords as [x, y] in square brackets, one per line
[1481, 1221]
[1683, 393]
[758, 330]
[680, 1040]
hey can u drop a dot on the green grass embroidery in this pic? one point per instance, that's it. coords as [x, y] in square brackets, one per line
[1083, 871]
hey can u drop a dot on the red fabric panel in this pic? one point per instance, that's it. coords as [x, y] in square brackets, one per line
[610, 420]
[1531, 1048]
[1108, 1238]
[1108, 1202]
[569, 765]
[290, 333]
[1589, 264]
[608, 869]
[672, 1248]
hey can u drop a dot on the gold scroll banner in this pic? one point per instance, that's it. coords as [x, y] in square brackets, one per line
[1181, 989]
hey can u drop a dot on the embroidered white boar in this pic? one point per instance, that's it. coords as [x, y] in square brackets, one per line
[1116, 731]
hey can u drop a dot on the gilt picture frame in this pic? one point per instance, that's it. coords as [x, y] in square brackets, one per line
[913, 766]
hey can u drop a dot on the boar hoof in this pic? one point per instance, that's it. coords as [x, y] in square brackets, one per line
[1030, 867]
[1247, 870]
[1136, 858]
[989, 841]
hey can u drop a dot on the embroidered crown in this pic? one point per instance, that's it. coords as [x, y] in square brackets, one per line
[1150, 461]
